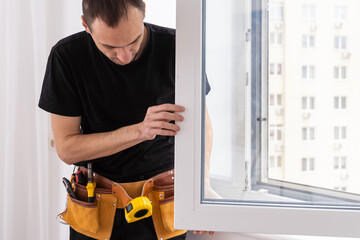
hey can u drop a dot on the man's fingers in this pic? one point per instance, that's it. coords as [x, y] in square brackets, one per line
[166, 116]
[203, 232]
[165, 125]
[164, 132]
[167, 107]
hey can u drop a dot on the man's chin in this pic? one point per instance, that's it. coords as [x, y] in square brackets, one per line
[121, 63]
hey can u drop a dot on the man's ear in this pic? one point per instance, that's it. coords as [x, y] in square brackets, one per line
[144, 8]
[87, 29]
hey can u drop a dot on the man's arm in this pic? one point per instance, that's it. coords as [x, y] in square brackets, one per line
[73, 147]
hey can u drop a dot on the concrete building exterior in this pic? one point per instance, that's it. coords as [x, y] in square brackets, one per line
[313, 93]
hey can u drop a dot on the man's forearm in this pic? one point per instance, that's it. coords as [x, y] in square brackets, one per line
[81, 147]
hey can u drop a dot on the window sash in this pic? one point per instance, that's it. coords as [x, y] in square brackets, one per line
[190, 211]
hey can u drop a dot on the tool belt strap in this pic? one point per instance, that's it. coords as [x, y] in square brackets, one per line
[125, 192]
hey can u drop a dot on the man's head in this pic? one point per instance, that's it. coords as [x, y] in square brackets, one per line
[116, 27]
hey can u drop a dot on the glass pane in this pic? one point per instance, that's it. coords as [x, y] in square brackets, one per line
[304, 133]
[343, 102]
[312, 42]
[311, 72]
[304, 41]
[336, 72]
[343, 72]
[336, 42]
[312, 102]
[336, 102]
[343, 42]
[304, 72]
[303, 103]
[225, 107]
[283, 150]
[279, 38]
[279, 100]
[336, 163]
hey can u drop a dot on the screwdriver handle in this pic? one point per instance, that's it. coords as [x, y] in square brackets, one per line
[91, 185]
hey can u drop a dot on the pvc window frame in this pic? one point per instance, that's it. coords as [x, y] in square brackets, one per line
[191, 211]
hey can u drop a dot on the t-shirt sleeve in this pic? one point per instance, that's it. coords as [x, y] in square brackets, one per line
[59, 94]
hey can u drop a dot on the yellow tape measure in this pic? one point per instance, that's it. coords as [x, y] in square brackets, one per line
[137, 209]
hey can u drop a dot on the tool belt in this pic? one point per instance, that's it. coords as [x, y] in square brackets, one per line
[96, 219]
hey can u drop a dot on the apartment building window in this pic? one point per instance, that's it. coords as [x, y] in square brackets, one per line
[275, 133]
[340, 42]
[276, 161]
[340, 103]
[340, 72]
[308, 13]
[340, 13]
[340, 163]
[275, 69]
[276, 38]
[276, 11]
[275, 100]
[340, 133]
[307, 164]
[307, 103]
[308, 41]
[308, 133]
[308, 72]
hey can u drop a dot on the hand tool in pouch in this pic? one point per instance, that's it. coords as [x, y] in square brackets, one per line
[91, 185]
[69, 188]
[80, 178]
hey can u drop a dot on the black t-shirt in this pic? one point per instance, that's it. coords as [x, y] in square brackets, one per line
[81, 81]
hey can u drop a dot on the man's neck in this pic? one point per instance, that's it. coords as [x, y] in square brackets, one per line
[143, 43]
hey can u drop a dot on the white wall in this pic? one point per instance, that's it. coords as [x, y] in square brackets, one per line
[63, 18]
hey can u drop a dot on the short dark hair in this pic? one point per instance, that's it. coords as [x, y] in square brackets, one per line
[110, 11]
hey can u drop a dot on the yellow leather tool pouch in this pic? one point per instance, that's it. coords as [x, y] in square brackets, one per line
[162, 197]
[91, 219]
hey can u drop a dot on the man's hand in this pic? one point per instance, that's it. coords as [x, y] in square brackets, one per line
[158, 119]
[203, 232]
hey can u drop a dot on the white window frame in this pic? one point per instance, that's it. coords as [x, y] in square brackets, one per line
[340, 13]
[276, 38]
[276, 69]
[340, 162]
[340, 42]
[340, 102]
[308, 41]
[278, 11]
[309, 103]
[225, 216]
[307, 11]
[276, 160]
[340, 133]
[309, 162]
[308, 134]
[309, 72]
[340, 72]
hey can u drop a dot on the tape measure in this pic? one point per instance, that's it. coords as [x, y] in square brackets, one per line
[138, 209]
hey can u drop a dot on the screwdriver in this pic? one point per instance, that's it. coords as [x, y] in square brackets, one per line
[91, 184]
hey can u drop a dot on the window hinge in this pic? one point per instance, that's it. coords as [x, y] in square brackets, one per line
[247, 184]
[246, 78]
[260, 119]
[248, 35]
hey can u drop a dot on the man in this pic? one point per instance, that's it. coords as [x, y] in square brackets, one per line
[110, 92]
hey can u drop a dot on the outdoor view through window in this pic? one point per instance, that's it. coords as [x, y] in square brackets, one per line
[313, 93]
[284, 101]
